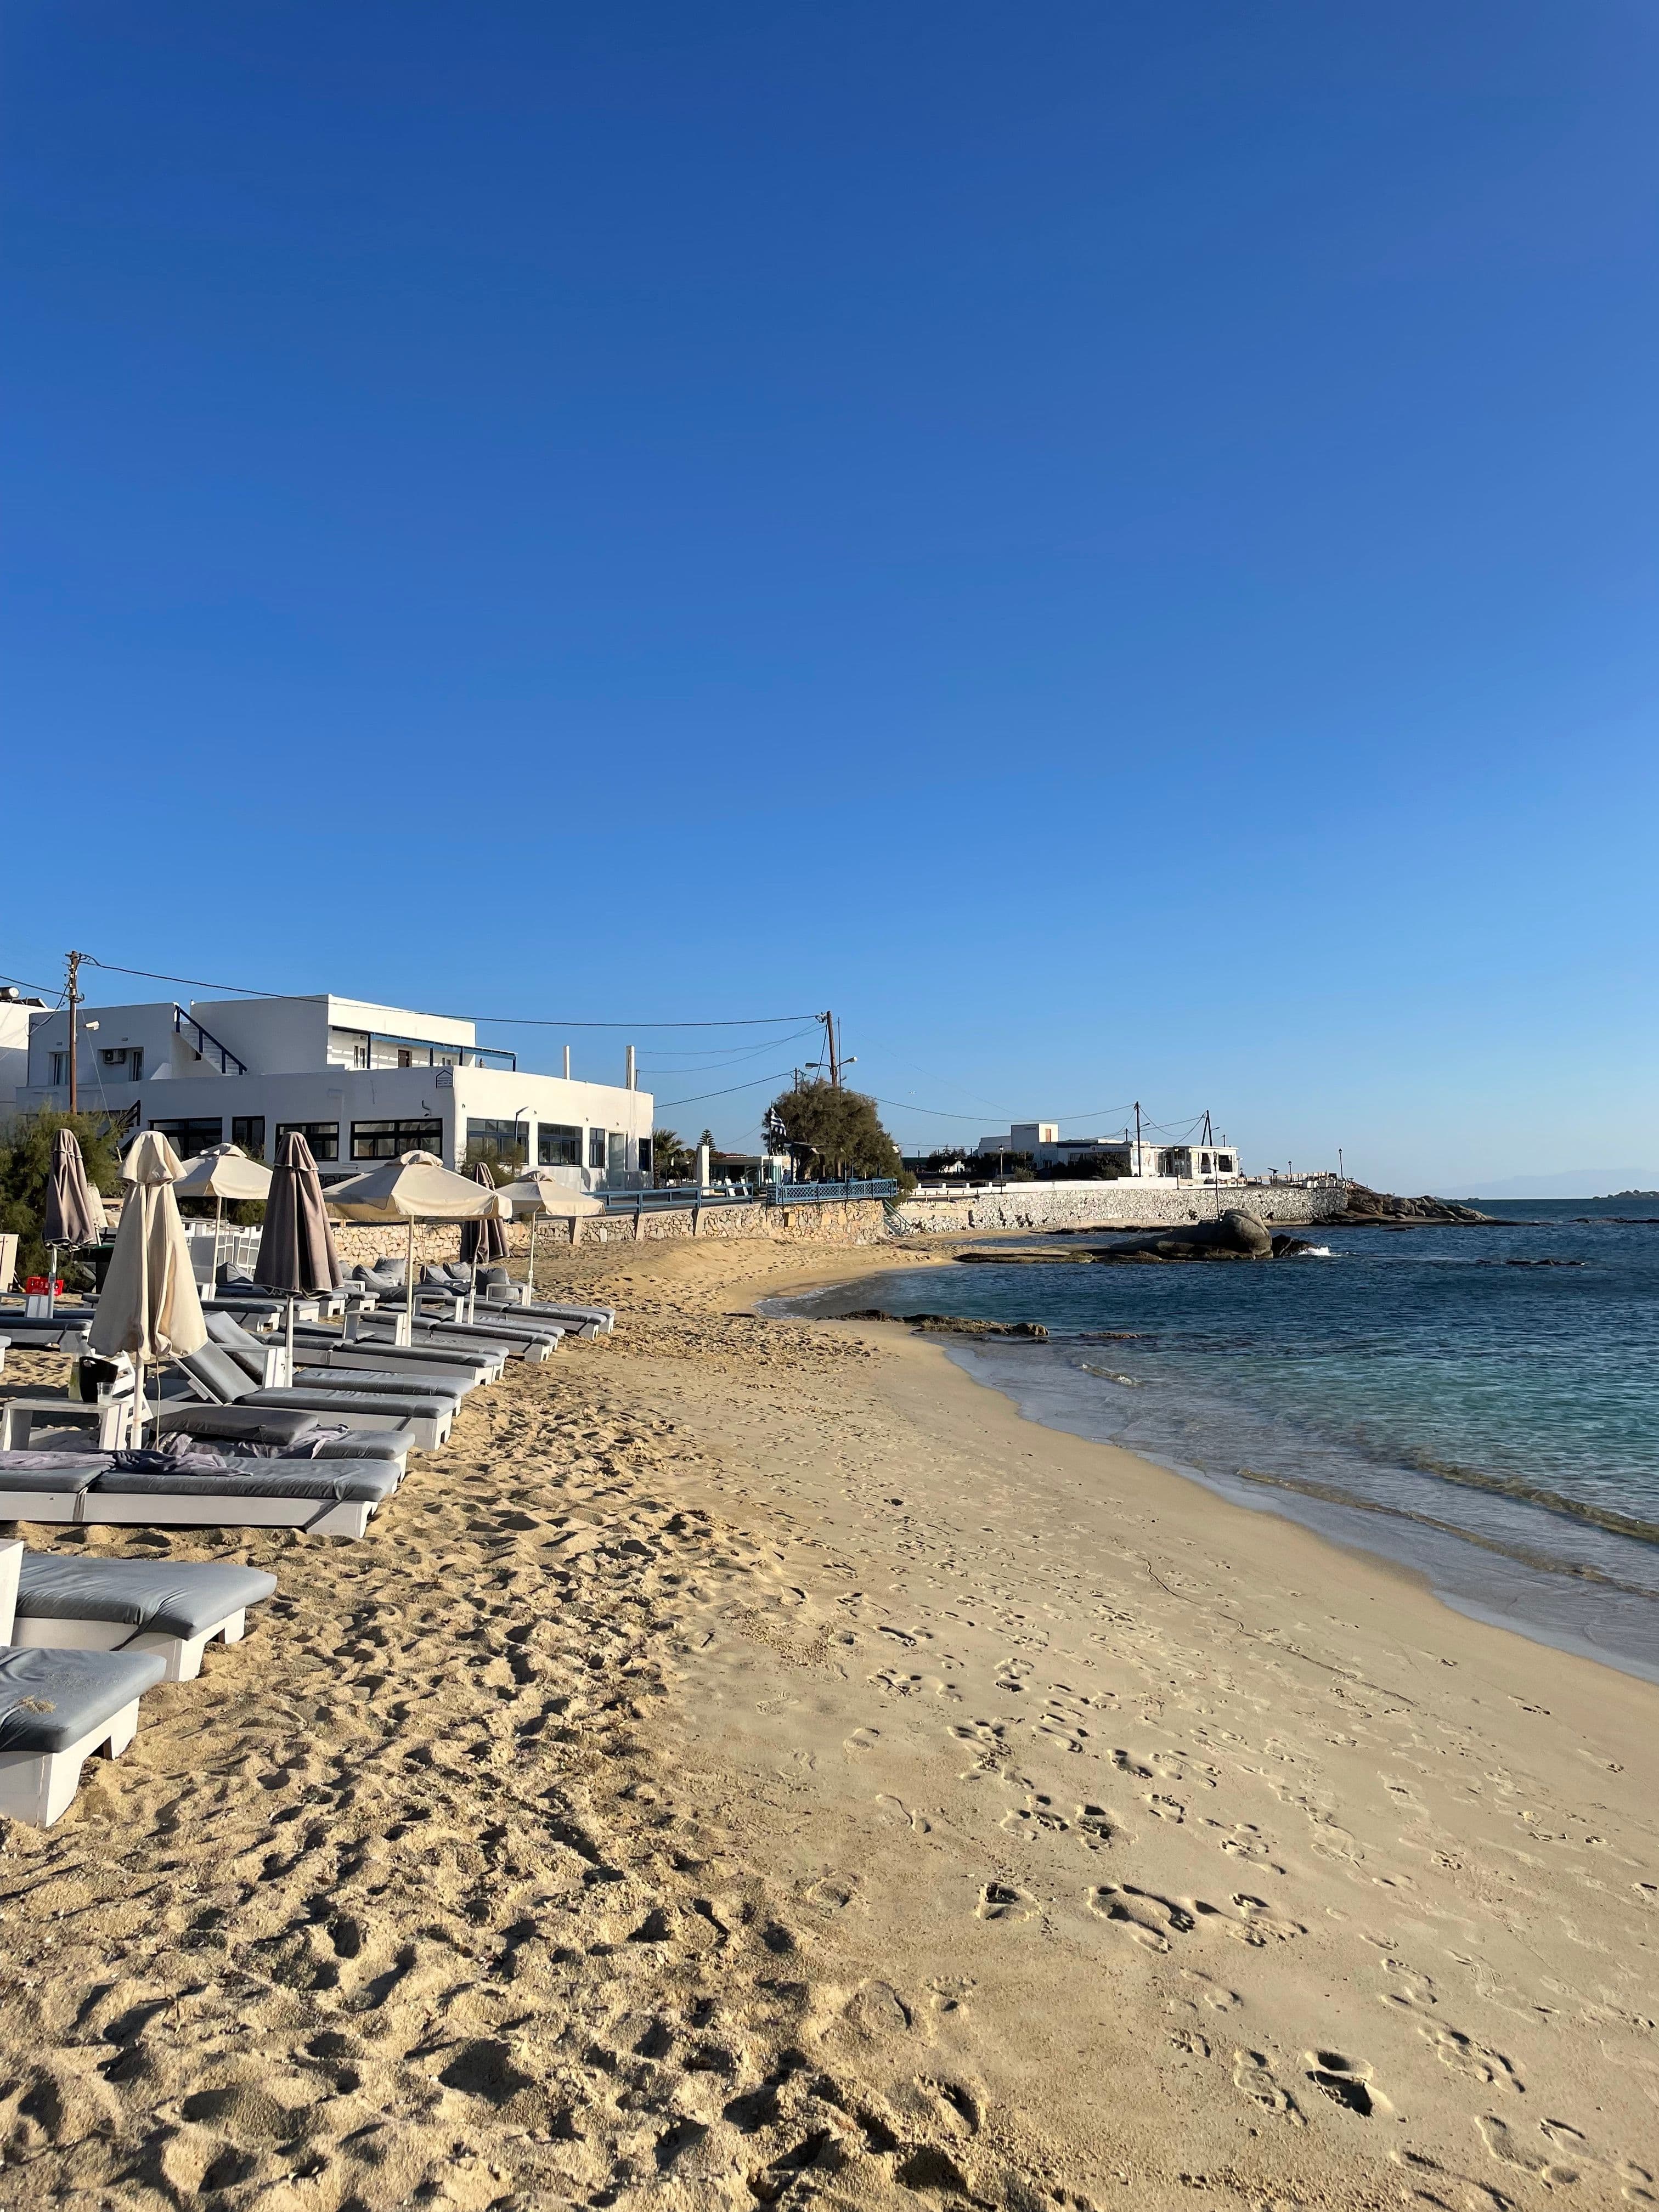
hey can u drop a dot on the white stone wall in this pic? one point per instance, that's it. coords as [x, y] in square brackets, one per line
[1122, 1204]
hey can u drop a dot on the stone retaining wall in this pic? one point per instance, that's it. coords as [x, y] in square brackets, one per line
[1114, 1205]
[862, 1221]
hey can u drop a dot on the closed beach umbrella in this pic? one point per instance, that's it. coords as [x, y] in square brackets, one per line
[148, 1308]
[417, 1187]
[224, 1172]
[538, 1192]
[296, 1248]
[484, 1240]
[75, 1212]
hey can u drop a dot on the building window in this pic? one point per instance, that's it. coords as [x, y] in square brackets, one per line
[389, 1140]
[1224, 1162]
[347, 1049]
[187, 1139]
[616, 1161]
[494, 1140]
[248, 1130]
[59, 1068]
[645, 1155]
[558, 1145]
[406, 1057]
[323, 1136]
[596, 1148]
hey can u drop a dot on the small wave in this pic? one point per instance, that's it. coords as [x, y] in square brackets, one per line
[1110, 1375]
[1542, 1562]
[1533, 1493]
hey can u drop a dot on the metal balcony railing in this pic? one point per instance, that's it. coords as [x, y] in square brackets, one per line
[200, 1042]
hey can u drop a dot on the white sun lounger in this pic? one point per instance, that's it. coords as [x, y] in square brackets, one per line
[320, 1497]
[173, 1607]
[56, 1708]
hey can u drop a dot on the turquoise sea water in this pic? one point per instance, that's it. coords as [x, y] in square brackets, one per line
[1479, 1403]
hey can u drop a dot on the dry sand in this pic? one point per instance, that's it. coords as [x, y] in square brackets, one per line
[752, 1765]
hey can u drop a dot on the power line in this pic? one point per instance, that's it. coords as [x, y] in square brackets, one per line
[516, 1021]
[665, 1105]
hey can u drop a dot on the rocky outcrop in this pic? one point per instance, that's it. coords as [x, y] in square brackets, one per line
[931, 1324]
[1231, 1236]
[1373, 1208]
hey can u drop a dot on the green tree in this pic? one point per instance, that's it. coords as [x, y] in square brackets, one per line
[26, 1169]
[832, 1135]
[671, 1160]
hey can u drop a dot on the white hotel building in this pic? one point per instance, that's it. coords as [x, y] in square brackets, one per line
[360, 1082]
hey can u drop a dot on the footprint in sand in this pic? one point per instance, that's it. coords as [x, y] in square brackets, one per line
[1150, 1920]
[1000, 1900]
[1254, 2076]
[863, 1739]
[1347, 2082]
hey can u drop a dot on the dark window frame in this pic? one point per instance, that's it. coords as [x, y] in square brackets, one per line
[323, 1136]
[370, 1139]
[559, 1144]
[172, 1126]
[493, 1136]
[243, 1128]
[596, 1148]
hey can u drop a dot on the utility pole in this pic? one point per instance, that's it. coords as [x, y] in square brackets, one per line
[74, 997]
[831, 1050]
[1137, 1136]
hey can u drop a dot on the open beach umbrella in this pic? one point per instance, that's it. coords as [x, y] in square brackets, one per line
[75, 1212]
[538, 1192]
[484, 1240]
[148, 1308]
[415, 1187]
[222, 1172]
[296, 1246]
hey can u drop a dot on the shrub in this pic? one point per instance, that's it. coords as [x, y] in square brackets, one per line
[833, 1134]
[26, 1169]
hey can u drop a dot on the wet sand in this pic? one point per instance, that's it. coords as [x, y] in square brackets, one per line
[752, 1765]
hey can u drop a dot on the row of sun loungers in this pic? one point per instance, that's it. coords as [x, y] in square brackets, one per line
[81, 1638]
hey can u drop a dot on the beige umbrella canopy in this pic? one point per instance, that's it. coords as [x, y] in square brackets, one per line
[417, 1186]
[226, 1172]
[538, 1192]
[148, 1307]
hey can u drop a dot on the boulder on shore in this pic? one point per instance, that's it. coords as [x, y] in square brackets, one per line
[1371, 1208]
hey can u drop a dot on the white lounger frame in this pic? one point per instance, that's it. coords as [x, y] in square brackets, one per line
[158, 1509]
[182, 1654]
[37, 1786]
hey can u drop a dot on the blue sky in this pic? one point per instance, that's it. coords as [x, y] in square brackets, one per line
[1116, 546]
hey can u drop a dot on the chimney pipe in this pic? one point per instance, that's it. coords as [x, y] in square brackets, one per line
[633, 1084]
[566, 1063]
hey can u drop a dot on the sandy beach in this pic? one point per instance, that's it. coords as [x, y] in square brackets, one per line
[751, 1764]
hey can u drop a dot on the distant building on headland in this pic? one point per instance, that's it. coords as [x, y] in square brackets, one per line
[359, 1082]
[1140, 1158]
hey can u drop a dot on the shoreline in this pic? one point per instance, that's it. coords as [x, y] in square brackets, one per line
[754, 1763]
[1508, 1577]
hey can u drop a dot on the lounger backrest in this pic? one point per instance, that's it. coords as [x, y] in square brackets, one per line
[216, 1370]
[246, 1350]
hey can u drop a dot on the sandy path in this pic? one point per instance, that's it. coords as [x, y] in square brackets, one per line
[751, 1764]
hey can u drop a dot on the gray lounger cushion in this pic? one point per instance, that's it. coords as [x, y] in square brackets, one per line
[59, 1471]
[378, 1383]
[317, 1398]
[271, 1425]
[50, 1699]
[163, 1597]
[351, 1482]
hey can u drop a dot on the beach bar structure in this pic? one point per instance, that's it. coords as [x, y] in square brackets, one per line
[360, 1082]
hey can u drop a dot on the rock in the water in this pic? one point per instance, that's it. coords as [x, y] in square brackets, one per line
[931, 1324]
[1370, 1208]
[1233, 1236]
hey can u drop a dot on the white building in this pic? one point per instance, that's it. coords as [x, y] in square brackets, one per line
[1145, 1159]
[16, 1011]
[360, 1082]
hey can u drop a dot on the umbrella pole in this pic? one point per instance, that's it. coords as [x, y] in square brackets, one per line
[138, 1403]
[52, 1278]
[533, 1220]
[218, 1224]
[288, 1376]
[408, 1281]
